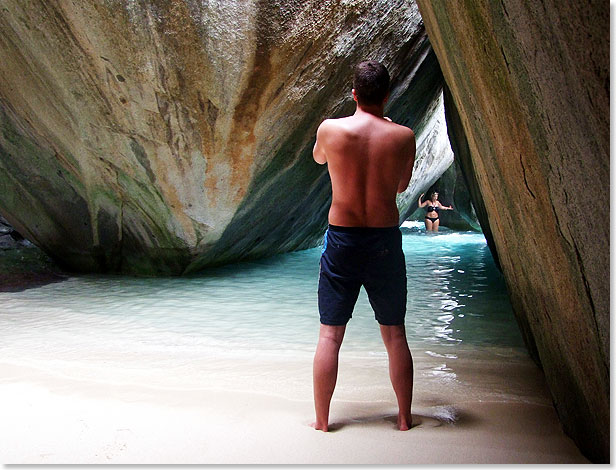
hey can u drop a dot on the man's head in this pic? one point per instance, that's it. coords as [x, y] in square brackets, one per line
[371, 83]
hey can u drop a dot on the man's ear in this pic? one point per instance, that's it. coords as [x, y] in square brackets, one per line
[386, 98]
[354, 94]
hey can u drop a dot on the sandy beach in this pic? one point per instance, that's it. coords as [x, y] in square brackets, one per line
[259, 410]
[119, 370]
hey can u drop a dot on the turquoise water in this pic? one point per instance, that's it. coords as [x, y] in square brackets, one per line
[457, 299]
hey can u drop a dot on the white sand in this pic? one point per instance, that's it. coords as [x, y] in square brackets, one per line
[259, 411]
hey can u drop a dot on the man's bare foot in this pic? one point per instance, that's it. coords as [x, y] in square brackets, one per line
[405, 422]
[319, 427]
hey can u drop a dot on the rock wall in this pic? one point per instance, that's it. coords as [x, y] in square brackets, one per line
[434, 155]
[464, 162]
[163, 137]
[530, 81]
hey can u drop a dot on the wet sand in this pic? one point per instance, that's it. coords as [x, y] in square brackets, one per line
[259, 411]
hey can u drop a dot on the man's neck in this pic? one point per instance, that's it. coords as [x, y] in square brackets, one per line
[375, 110]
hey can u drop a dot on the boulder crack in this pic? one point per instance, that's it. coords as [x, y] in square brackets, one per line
[525, 180]
[505, 58]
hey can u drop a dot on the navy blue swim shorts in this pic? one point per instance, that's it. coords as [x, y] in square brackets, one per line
[368, 256]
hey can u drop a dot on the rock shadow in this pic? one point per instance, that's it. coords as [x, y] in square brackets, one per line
[19, 282]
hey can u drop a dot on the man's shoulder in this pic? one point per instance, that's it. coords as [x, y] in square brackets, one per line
[404, 133]
[336, 122]
[405, 130]
[334, 126]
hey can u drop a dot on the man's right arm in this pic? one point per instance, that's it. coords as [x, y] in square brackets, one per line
[410, 150]
[318, 152]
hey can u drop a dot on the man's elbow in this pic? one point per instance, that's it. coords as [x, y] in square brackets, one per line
[320, 159]
[404, 183]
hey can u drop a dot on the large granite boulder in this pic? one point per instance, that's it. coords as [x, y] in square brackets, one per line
[163, 137]
[530, 81]
[459, 145]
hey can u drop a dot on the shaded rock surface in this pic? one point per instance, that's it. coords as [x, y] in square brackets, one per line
[434, 155]
[530, 81]
[164, 137]
[464, 163]
[25, 267]
[22, 264]
[10, 238]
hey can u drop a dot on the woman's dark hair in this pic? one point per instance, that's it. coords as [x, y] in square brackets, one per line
[371, 82]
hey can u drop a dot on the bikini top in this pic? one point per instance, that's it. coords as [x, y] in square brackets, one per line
[432, 208]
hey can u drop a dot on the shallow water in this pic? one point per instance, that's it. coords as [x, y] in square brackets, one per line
[456, 297]
[87, 325]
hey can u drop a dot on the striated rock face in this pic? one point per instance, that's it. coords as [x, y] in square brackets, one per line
[434, 155]
[162, 137]
[530, 81]
[464, 163]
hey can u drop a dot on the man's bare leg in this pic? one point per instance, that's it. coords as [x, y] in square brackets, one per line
[325, 371]
[400, 371]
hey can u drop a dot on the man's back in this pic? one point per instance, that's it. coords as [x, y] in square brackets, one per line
[370, 159]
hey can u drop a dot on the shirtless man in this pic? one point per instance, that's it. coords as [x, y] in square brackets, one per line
[370, 159]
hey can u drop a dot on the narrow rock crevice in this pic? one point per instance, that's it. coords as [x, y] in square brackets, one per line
[525, 180]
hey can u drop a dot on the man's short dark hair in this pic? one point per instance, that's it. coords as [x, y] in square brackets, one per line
[371, 82]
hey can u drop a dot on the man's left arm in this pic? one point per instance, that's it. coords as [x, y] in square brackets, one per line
[318, 152]
[408, 169]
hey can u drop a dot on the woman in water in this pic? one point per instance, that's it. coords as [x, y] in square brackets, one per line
[434, 206]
